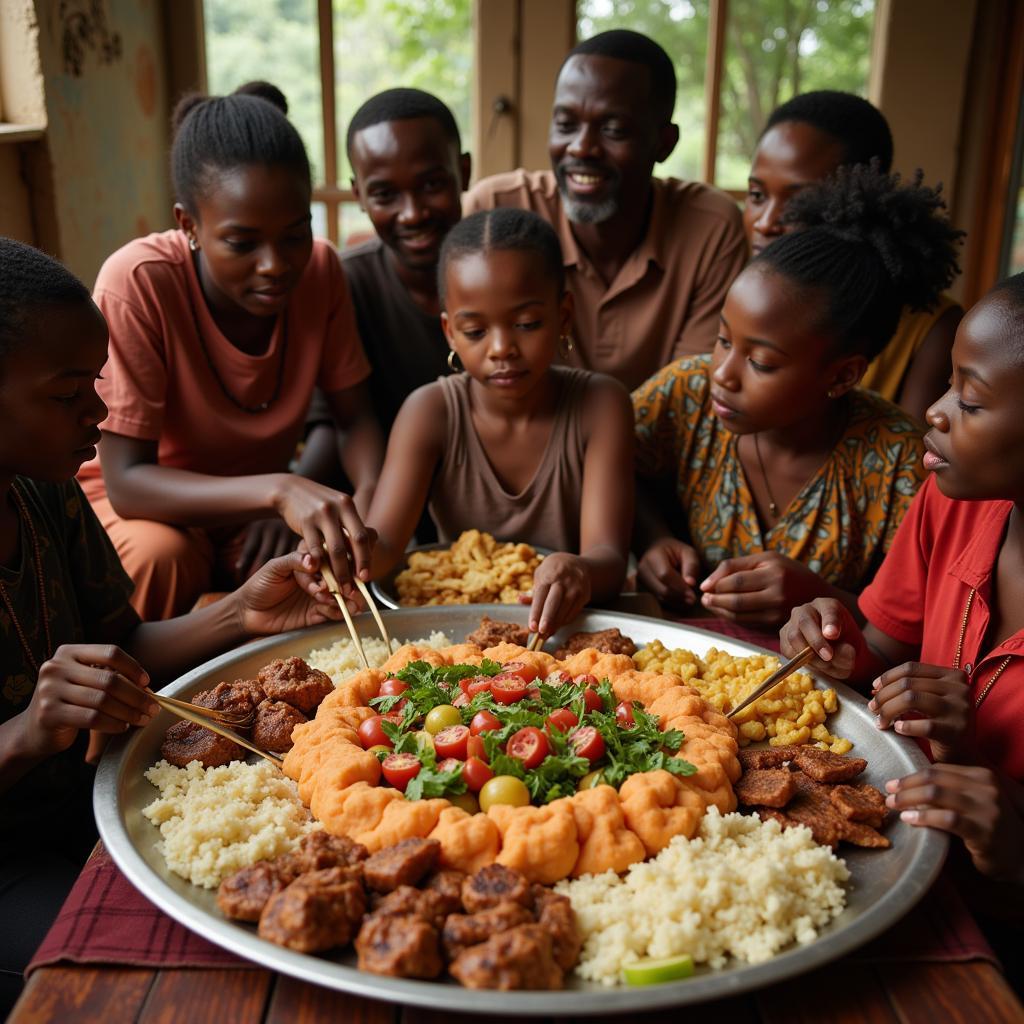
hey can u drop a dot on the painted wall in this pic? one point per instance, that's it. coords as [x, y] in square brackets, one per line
[106, 138]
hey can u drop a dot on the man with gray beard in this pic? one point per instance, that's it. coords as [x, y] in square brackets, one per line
[648, 260]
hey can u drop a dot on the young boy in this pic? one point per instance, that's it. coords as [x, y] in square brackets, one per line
[72, 649]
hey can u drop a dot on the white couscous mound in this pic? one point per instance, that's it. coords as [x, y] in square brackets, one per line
[214, 821]
[340, 660]
[741, 887]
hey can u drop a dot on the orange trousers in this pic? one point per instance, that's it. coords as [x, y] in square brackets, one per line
[170, 565]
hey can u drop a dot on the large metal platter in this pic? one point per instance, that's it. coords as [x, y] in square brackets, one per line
[885, 884]
[385, 591]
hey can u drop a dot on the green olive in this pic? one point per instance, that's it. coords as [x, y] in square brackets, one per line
[504, 789]
[466, 801]
[591, 779]
[424, 740]
[441, 717]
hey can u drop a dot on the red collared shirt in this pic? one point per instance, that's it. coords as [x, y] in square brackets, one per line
[942, 549]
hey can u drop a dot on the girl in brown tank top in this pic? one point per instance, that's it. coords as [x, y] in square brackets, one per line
[511, 444]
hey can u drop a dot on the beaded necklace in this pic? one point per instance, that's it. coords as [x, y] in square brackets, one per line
[43, 607]
[960, 649]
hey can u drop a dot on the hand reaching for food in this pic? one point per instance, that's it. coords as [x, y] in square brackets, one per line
[828, 627]
[561, 589]
[669, 570]
[277, 599]
[264, 539]
[760, 588]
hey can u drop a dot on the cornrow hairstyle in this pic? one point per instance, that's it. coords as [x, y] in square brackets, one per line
[500, 230]
[31, 281]
[214, 134]
[623, 44]
[873, 245]
[402, 105]
[859, 127]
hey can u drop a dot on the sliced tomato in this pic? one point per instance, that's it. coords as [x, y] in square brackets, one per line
[475, 773]
[392, 687]
[461, 701]
[624, 714]
[507, 688]
[401, 769]
[586, 680]
[592, 700]
[475, 748]
[588, 743]
[529, 745]
[449, 764]
[484, 721]
[451, 742]
[519, 668]
[557, 678]
[372, 735]
[481, 684]
[562, 719]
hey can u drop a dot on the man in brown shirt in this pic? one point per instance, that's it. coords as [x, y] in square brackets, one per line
[648, 261]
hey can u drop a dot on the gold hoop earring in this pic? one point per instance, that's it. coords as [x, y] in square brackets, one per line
[566, 345]
[453, 357]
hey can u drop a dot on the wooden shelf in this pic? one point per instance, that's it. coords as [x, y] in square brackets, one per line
[21, 132]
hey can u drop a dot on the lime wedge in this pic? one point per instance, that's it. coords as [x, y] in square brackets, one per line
[655, 972]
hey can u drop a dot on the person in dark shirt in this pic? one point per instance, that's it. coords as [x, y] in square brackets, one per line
[72, 648]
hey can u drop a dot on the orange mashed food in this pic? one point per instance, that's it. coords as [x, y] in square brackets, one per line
[592, 831]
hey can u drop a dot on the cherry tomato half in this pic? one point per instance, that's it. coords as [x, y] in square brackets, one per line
[461, 701]
[481, 684]
[508, 688]
[529, 745]
[588, 743]
[451, 742]
[592, 700]
[562, 719]
[519, 668]
[484, 721]
[401, 769]
[449, 764]
[475, 748]
[392, 687]
[557, 678]
[372, 735]
[624, 714]
[476, 773]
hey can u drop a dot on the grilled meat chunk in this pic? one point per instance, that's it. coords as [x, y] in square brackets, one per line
[294, 682]
[405, 863]
[407, 900]
[607, 641]
[824, 766]
[464, 930]
[448, 885]
[765, 787]
[555, 914]
[765, 757]
[272, 729]
[492, 632]
[401, 946]
[519, 958]
[239, 698]
[492, 885]
[244, 894]
[861, 803]
[320, 849]
[186, 742]
[318, 911]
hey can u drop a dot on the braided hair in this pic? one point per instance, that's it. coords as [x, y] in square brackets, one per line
[31, 281]
[872, 245]
[502, 229]
[214, 134]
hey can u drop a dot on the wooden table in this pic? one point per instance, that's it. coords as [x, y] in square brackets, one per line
[844, 993]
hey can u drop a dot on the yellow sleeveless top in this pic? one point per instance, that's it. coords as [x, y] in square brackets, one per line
[885, 374]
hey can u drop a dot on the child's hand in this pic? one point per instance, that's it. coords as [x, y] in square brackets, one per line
[561, 589]
[669, 569]
[760, 588]
[84, 686]
[273, 600]
[820, 625]
[939, 700]
[970, 803]
[264, 539]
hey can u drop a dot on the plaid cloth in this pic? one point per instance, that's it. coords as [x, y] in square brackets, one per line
[105, 920]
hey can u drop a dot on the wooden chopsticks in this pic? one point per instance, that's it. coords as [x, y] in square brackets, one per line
[190, 713]
[332, 585]
[782, 672]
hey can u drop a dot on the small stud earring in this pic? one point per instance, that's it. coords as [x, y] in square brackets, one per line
[192, 243]
[566, 345]
[453, 357]
[830, 393]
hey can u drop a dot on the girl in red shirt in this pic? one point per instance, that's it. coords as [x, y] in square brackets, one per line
[943, 644]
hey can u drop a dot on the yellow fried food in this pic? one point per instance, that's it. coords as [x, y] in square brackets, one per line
[475, 569]
[539, 842]
[605, 842]
[791, 714]
[658, 807]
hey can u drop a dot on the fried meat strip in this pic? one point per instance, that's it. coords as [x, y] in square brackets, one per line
[294, 682]
[405, 863]
[402, 947]
[464, 930]
[520, 958]
[607, 641]
[861, 803]
[244, 894]
[492, 885]
[765, 757]
[555, 914]
[492, 632]
[824, 766]
[186, 742]
[765, 787]
[318, 911]
[272, 729]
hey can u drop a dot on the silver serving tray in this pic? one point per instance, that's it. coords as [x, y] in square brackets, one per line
[386, 593]
[885, 884]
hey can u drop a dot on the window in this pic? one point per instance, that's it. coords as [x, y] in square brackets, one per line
[328, 58]
[761, 53]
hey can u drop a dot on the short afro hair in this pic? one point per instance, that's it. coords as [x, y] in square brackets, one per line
[1011, 289]
[624, 44]
[402, 105]
[214, 134]
[872, 245]
[31, 281]
[502, 229]
[858, 126]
